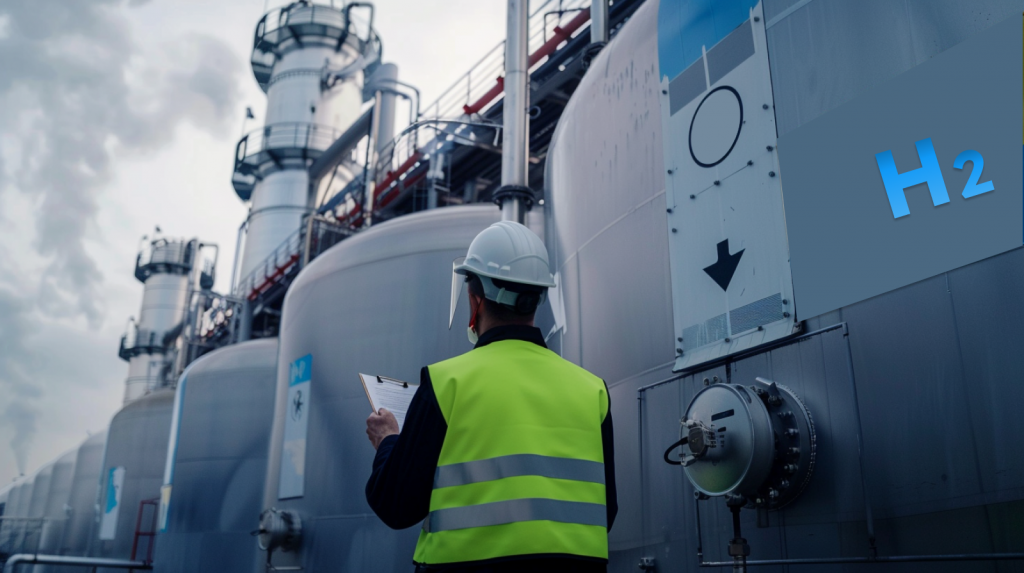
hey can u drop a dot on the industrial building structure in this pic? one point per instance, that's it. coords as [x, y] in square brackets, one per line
[881, 434]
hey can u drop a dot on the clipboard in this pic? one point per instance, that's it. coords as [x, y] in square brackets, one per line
[391, 393]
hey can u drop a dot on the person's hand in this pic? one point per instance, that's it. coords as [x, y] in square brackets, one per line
[381, 425]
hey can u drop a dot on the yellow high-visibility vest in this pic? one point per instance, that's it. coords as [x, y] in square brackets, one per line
[521, 471]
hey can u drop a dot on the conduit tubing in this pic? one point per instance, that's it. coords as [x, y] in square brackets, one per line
[514, 195]
[33, 559]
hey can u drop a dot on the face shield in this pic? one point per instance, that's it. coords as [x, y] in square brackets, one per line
[458, 286]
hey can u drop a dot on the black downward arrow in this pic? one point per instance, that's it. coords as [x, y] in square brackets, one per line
[722, 271]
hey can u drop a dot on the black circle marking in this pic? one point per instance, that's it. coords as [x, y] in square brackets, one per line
[739, 100]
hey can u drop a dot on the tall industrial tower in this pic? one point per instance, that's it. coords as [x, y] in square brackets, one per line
[171, 270]
[311, 61]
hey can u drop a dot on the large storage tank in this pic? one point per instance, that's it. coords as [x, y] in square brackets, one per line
[935, 363]
[377, 304]
[216, 460]
[56, 509]
[132, 471]
[81, 508]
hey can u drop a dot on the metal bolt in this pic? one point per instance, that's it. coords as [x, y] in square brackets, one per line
[785, 314]
[668, 210]
[771, 174]
[760, 328]
[680, 339]
[773, 494]
[707, 382]
[793, 452]
[757, 18]
[784, 484]
[693, 196]
[679, 350]
[714, 379]
[750, 162]
[790, 468]
[727, 339]
[674, 230]
[785, 301]
[792, 432]
[718, 182]
[670, 172]
[664, 91]
[770, 148]
[764, 106]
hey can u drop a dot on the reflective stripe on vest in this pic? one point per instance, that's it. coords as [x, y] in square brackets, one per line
[518, 465]
[515, 510]
[521, 470]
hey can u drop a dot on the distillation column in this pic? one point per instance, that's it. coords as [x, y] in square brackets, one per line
[164, 266]
[310, 60]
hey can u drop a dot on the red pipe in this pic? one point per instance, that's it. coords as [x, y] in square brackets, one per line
[560, 34]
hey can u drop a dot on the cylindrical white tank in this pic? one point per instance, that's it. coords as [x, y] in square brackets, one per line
[82, 497]
[296, 48]
[376, 303]
[132, 471]
[56, 509]
[213, 479]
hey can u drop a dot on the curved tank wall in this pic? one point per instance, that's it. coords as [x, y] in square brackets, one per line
[40, 489]
[132, 469]
[217, 457]
[13, 527]
[376, 303]
[934, 362]
[81, 500]
[55, 507]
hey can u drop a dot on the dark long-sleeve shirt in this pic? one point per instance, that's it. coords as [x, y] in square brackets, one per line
[403, 470]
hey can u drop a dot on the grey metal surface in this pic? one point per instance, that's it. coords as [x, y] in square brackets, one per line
[56, 507]
[376, 303]
[937, 363]
[40, 490]
[82, 499]
[826, 52]
[136, 441]
[219, 459]
[515, 142]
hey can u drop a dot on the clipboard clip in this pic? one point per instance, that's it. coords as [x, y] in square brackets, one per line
[380, 380]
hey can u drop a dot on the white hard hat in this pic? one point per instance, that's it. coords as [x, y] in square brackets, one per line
[506, 251]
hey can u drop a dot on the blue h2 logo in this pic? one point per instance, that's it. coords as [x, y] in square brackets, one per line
[896, 183]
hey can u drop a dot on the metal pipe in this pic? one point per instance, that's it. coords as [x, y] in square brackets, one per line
[372, 155]
[34, 559]
[334, 154]
[599, 22]
[515, 145]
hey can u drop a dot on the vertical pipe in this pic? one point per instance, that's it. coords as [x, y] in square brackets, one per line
[599, 22]
[370, 181]
[382, 129]
[515, 146]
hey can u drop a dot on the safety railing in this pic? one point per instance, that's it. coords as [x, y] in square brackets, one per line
[315, 236]
[332, 25]
[136, 341]
[168, 255]
[485, 76]
[21, 534]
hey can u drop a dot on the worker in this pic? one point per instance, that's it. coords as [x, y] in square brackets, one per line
[506, 453]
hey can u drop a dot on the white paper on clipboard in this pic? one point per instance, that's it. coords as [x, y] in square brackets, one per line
[390, 394]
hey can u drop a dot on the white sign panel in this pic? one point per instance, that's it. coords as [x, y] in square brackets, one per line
[296, 423]
[108, 522]
[731, 281]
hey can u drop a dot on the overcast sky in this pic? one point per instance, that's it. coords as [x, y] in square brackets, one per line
[115, 116]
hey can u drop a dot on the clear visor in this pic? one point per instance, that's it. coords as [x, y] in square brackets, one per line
[458, 285]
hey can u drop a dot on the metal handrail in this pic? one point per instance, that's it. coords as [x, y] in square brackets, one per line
[281, 136]
[481, 77]
[282, 257]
